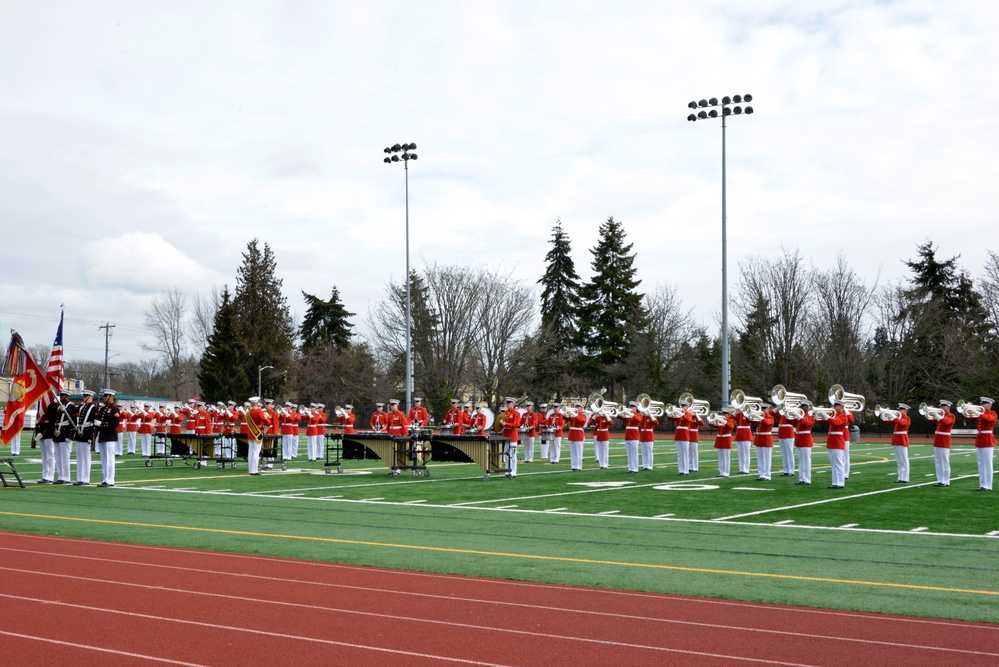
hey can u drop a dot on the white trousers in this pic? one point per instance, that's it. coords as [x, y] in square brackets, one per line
[544, 447]
[682, 457]
[846, 457]
[555, 450]
[902, 460]
[601, 452]
[724, 462]
[107, 451]
[62, 455]
[804, 464]
[693, 456]
[764, 455]
[511, 452]
[576, 454]
[786, 455]
[984, 455]
[647, 455]
[742, 448]
[837, 459]
[15, 444]
[48, 459]
[631, 449]
[131, 441]
[941, 460]
[253, 457]
[146, 438]
[119, 444]
[528, 448]
[286, 446]
[83, 462]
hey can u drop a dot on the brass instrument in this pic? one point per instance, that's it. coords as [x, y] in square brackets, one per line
[649, 407]
[823, 414]
[340, 412]
[717, 419]
[754, 415]
[885, 414]
[793, 412]
[608, 409]
[852, 402]
[930, 412]
[744, 403]
[781, 396]
[570, 412]
[695, 406]
[969, 410]
[674, 411]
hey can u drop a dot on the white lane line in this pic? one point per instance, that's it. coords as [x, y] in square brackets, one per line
[831, 500]
[751, 488]
[784, 522]
[609, 512]
[557, 509]
[77, 645]
[919, 530]
[849, 525]
[414, 502]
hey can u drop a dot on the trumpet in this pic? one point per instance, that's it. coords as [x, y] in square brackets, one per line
[823, 414]
[649, 407]
[885, 414]
[742, 403]
[625, 413]
[969, 410]
[930, 412]
[781, 396]
[793, 412]
[852, 402]
[717, 419]
[340, 412]
[673, 411]
[695, 406]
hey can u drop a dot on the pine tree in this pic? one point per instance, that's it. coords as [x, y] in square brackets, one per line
[611, 315]
[262, 310]
[557, 337]
[326, 323]
[222, 373]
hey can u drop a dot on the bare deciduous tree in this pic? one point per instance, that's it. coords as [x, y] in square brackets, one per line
[165, 321]
[843, 303]
[202, 319]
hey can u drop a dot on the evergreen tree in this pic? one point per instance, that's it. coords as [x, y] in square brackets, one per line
[611, 315]
[557, 337]
[222, 372]
[264, 319]
[326, 323]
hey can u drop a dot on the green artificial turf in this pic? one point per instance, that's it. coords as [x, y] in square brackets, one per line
[875, 546]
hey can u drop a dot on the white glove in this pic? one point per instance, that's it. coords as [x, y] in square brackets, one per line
[97, 422]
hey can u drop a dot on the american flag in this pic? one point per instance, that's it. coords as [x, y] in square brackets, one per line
[56, 371]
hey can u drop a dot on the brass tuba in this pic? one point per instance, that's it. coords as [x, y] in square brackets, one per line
[781, 396]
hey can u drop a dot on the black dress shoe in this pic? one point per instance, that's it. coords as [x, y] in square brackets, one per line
[61, 481]
[44, 481]
[940, 484]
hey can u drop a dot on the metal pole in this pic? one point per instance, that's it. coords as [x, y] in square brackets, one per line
[409, 312]
[724, 331]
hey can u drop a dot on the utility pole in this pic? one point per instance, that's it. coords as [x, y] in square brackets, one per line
[107, 326]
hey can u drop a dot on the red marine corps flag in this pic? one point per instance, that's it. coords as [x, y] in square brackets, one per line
[28, 386]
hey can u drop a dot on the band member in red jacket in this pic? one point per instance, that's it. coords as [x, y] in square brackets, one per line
[681, 439]
[743, 441]
[632, 434]
[647, 437]
[530, 423]
[900, 442]
[379, 419]
[480, 422]
[785, 438]
[418, 415]
[723, 442]
[694, 423]
[258, 423]
[836, 445]
[764, 444]
[464, 419]
[397, 422]
[453, 416]
[985, 444]
[132, 428]
[511, 431]
[803, 443]
[601, 438]
[577, 436]
[557, 422]
[941, 443]
[347, 418]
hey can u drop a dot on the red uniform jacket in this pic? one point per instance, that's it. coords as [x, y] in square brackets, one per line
[556, 421]
[576, 426]
[397, 423]
[693, 424]
[463, 421]
[511, 425]
[900, 431]
[682, 428]
[646, 432]
[347, 421]
[836, 438]
[379, 421]
[942, 436]
[601, 428]
[419, 416]
[785, 428]
[803, 431]
[743, 428]
[631, 426]
[724, 438]
[532, 420]
[985, 436]
[765, 431]
[480, 423]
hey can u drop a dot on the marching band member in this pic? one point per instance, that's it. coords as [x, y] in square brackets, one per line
[84, 437]
[681, 438]
[202, 426]
[531, 420]
[577, 436]
[147, 418]
[132, 427]
[601, 438]
[743, 439]
[480, 423]
[257, 423]
[275, 427]
[556, 421]
[941, 443]
[296, 430]
[764, 444]
[229, 430]
[312, 431]
[161, 421]
[453, 416]
[379, 420]
[803, 443]
[785, 439]
[107, 420]
[545, 433]
[985, 444]
[900, 442]
[347, 418]
[511, 431]
[836, 445]
[846, 441]
[187, 415]
[723, 443]
[632, 425]
[647, 438]
[120, 431]
[397, 422]
[288, 420]
[418, 414]
[694, 423]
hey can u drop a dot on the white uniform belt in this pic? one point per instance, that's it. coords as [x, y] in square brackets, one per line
[603, 430]
[836, 432]
[770, 432]
[575, 428]
[802, 432]
[985, 432]
[900, 433]
[682, 428]
[946, 433]
[649, 430]
[724, 435]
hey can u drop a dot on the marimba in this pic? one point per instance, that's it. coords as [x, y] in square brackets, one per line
[399, 452]
[488, 452]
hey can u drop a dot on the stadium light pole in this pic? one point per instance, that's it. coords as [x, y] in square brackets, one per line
[260, 371]
[404, 153]
[730, 106]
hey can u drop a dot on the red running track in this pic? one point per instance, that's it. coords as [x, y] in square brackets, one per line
[104, 603]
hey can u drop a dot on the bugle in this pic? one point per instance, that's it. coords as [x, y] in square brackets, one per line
[823, 414]
[886, 414]
[673, 411]
[570, 412]
[852, 402]
[649, 407]
[606, 408]
[695, 406]
[969, 410]
[742, 403]
[930, 412]
[781, 396]
[717, 419]
[792, 412]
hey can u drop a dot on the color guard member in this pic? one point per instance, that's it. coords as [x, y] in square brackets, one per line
[985, 444]
[51, 423]
[107, 419]
[941, 443]
[63, 437]
[900, 442]
[84, 436]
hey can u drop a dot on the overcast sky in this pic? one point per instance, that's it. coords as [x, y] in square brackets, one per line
[143, 144]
